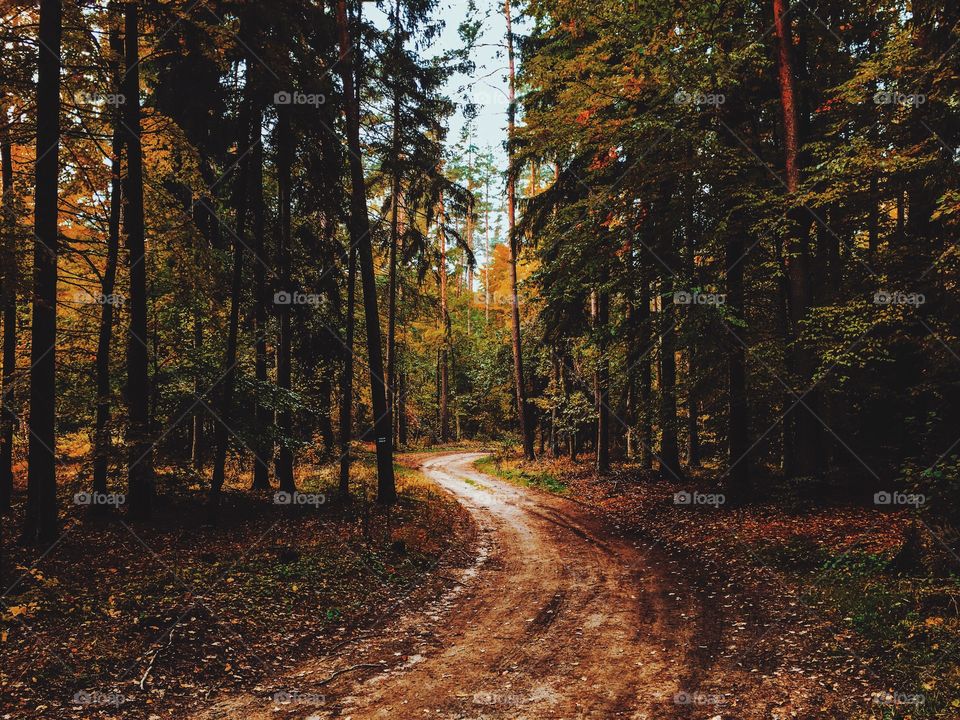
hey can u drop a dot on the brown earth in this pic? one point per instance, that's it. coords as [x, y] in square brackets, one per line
[556, 618]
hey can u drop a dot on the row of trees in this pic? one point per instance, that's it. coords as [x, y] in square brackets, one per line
[240, 191]
[742, 223]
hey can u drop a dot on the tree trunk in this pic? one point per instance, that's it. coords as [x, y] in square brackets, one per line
[601, 307]
[197, 439]
[523, 410]
[346, 379]
[40, 523]
[139, 445]
[8, 298]
[264, 415]
[807, 429]
[395, 184]
[360, 237]
[229, 375]
[645, 379]
[284, 464]
[101, 435]
[445, 327]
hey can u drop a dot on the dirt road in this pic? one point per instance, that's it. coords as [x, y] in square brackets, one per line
[556, 619]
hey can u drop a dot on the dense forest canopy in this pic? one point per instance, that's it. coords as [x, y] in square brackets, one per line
[724, 238]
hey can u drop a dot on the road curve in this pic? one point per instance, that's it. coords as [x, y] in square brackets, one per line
[557, 619]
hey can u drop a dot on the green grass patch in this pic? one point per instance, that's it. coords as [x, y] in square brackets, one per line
[519, 476]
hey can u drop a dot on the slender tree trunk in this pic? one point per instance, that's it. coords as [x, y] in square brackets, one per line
[737, 409]
[693, 399]
[197, 439]
[360, 237]
[523, 410]
[488, 260]
[395, 185]
[139, 445]
[669, 451]
[645, 374]
[101, 435]
[264, 443]
[285, 346]
[8, 298]
[602, 377]
[229, 375]
[346, 381]
[444, 326]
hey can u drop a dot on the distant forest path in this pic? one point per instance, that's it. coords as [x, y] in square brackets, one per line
[556, 619]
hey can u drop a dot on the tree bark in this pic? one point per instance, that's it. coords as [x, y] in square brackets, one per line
[523, 410]
[229, 375]
[264, 415]
[444, 326]
[346, 379]
[8, 298]
[40, 523]
[360, 237]
[395, 185]
[284, 464]
[139, 445]
[101, 435]
[806, 426]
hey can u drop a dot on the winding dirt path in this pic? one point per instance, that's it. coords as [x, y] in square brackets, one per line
[556, 619]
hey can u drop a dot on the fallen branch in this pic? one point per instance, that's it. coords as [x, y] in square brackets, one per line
[154, 658]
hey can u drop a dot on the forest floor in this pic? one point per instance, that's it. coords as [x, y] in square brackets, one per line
[544, 593]
[802, 592]
[144, 620]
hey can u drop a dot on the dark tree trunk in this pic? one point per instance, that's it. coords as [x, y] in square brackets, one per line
[738, 443]
[395, 184]
[197, 440]
[228, 376]
[264, 419]
[806, 426]
[40, 523]
[669, 449]
[602, 380]
[139, 445]
[360, 237]
[101, 435]
[645, 379]
[284, 464]
[8, 299]
[346, 379]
